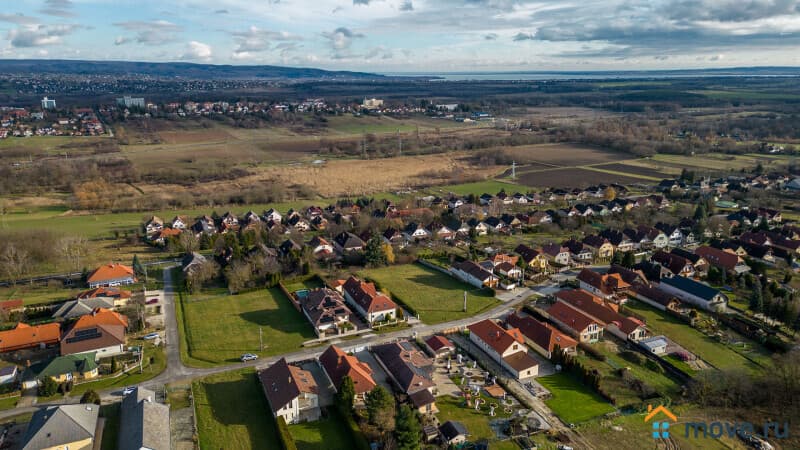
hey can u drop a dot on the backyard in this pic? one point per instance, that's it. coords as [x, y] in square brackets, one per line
[572, 401]
[330, 433]
[476, 422]
[435, 296]
[245, 423]
[218, 328]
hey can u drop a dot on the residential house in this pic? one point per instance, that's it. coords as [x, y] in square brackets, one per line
[606, 314]
[534, 259]
[728, 261]
[346, 242]
[410, 371]
[629, 276]
[556, 254]
[179, 223]
[439, 345]
[72, 427]
[291, 392]
[601, 248]
[653, 237]
[153, 226]
[473, 274]
[326, 311]
[102, 332]
[24, 336]
[579, 325]
[699, 264]
[542, 337]
[675, 237]
[204, 225]
[508, 270]
[415, 232]
[229, 222]
[162, 237]
[119, 297]
[62, 369]
[507, 347]
[609, 286]
[73, 309]
[498, 258]
[111, 275]
[289, 246]
[298, 223]
[393, 236]
[480, 227]
[655, 297]
[371, 304]
[321, 248]
[192, 262]
[677, 265]
[12, 306]
[620, 241]
[337, 364]
[579, 253]
[271, 215]
[454, 434]
[694, 293]
[439, 231]
[143, 422]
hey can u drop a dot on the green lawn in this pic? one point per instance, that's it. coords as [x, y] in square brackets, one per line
[36, 294]
[479, 187]
[8, 403]
[477, 422]
[436, 296]
[572, 401]
[311, 283]
[219, 328]
[331, 433]
[716, 353]
[660, 382]
[232, 412]
[111, 427]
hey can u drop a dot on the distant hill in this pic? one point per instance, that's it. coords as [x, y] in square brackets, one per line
[173, 69]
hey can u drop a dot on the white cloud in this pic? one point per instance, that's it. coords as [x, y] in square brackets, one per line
[197, 51]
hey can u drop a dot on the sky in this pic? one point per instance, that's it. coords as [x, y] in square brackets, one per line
[388, 36]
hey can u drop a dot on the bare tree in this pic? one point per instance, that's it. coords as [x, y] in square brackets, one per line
[15, 262]
[201, 273]
[238, 275]
[188, 242]
[73, 249]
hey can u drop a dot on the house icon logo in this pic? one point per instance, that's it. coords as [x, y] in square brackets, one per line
[660, 428]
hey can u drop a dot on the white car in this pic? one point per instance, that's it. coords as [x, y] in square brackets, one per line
[150, 336]
[128, 390]
[249, 357]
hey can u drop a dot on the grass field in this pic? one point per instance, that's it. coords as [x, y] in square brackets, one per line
[693, 340]
[477, 422]
[572, 401]
[33, 295]
[662, 383]
[435, 296]
[477, 188]
[330, 433]
[232, 412]
[719, 162]
[218, 328]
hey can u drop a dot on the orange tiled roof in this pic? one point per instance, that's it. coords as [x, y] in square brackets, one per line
[111, 271]
[25, 336]
[101, 316]
[105, 292]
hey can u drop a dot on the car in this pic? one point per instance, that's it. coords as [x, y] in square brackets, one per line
[150, 336]
[128, 390]
[249, 357]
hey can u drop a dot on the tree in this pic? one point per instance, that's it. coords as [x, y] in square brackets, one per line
[346, 394]
[91, 396]
[73, 249]
[114, 364]
[389, 252]
[628, 260]
[610, 193]
[374, 254]
[380, 408]
[188, 242]
[408, 430]
[14, 261]
[700, 212]
[756, 299]
[199, 274]
[238, 275]
[137, 266]
[47, 387]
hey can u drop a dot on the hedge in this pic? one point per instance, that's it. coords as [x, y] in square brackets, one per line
[591, 351]
[287, 441]
[355, 431]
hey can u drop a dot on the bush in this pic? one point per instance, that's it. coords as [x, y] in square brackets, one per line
[283, 433]
[90, 396]
[632, 356]
[47, 387]
[654, 366]
[591, 351]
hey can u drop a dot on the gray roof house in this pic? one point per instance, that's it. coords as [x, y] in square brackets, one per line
[72, 426]
[75, 308]
[695, 293]
[144, 423]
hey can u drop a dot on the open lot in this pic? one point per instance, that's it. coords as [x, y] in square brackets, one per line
[435, 296]
[635, 169]
[715, 353]
[330, 433]
[573, 177]
[568, 155]
[572, 401]
[477, 422]
[719, 162]
[218, 328]
[232, 412]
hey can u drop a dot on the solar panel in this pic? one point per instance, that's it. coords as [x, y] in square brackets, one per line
[84, 335]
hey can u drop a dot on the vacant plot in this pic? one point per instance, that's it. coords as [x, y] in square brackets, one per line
[188, 137]
[693, 340]
[572, 401]
[36, 294]
[218, 329]
[330, 433]
[476, 422]
[637, 170]
[568, 155]
[562, 178]
[232, 412]
[476, 188]
[715, 161]
[435, 296]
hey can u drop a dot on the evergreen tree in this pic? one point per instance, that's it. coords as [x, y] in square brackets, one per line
[407, 429]
[374, 253]
[47, 387]
[91, 396]
[628, 260]
[756, 299]
[700, 212]
[380, 408]
[137, 266]
[346, 394]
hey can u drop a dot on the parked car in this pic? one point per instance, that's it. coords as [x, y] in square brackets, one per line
[128, 390]
[249, 357]
[150, 336]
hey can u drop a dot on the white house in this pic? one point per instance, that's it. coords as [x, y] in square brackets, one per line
[291, 392]
[507, 347]
[695, 293]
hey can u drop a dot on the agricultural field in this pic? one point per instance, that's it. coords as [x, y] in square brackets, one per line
[330, 433]
[719, 162]
[435, 296]
[245, 423]
[218, 328]
[711, 351]
[635, 169]
[577, 177]
[572, 401]
[562, 155]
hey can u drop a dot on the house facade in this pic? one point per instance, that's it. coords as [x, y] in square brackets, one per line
[291, 392]
[507, 347]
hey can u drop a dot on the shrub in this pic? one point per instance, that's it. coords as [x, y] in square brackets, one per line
[283, 433]
[654, 366]
[632, 356]
[591, 351]
[90, 396]
[48, 387]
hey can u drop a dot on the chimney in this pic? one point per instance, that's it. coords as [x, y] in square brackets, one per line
[649, 408]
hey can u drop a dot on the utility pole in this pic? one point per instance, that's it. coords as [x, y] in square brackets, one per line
[465, 301]
[260, 339]
[399, 143]
[513, 170]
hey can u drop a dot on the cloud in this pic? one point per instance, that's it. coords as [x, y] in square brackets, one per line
[341, 38]
[122, 40]
[221, 11]
[490, 36]
[406, 6]
[39, 35]
[361, 2]
[59, 8]
[256, 39]
[197, 51]
[18, 19]
[155, 32]
[524, 36]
